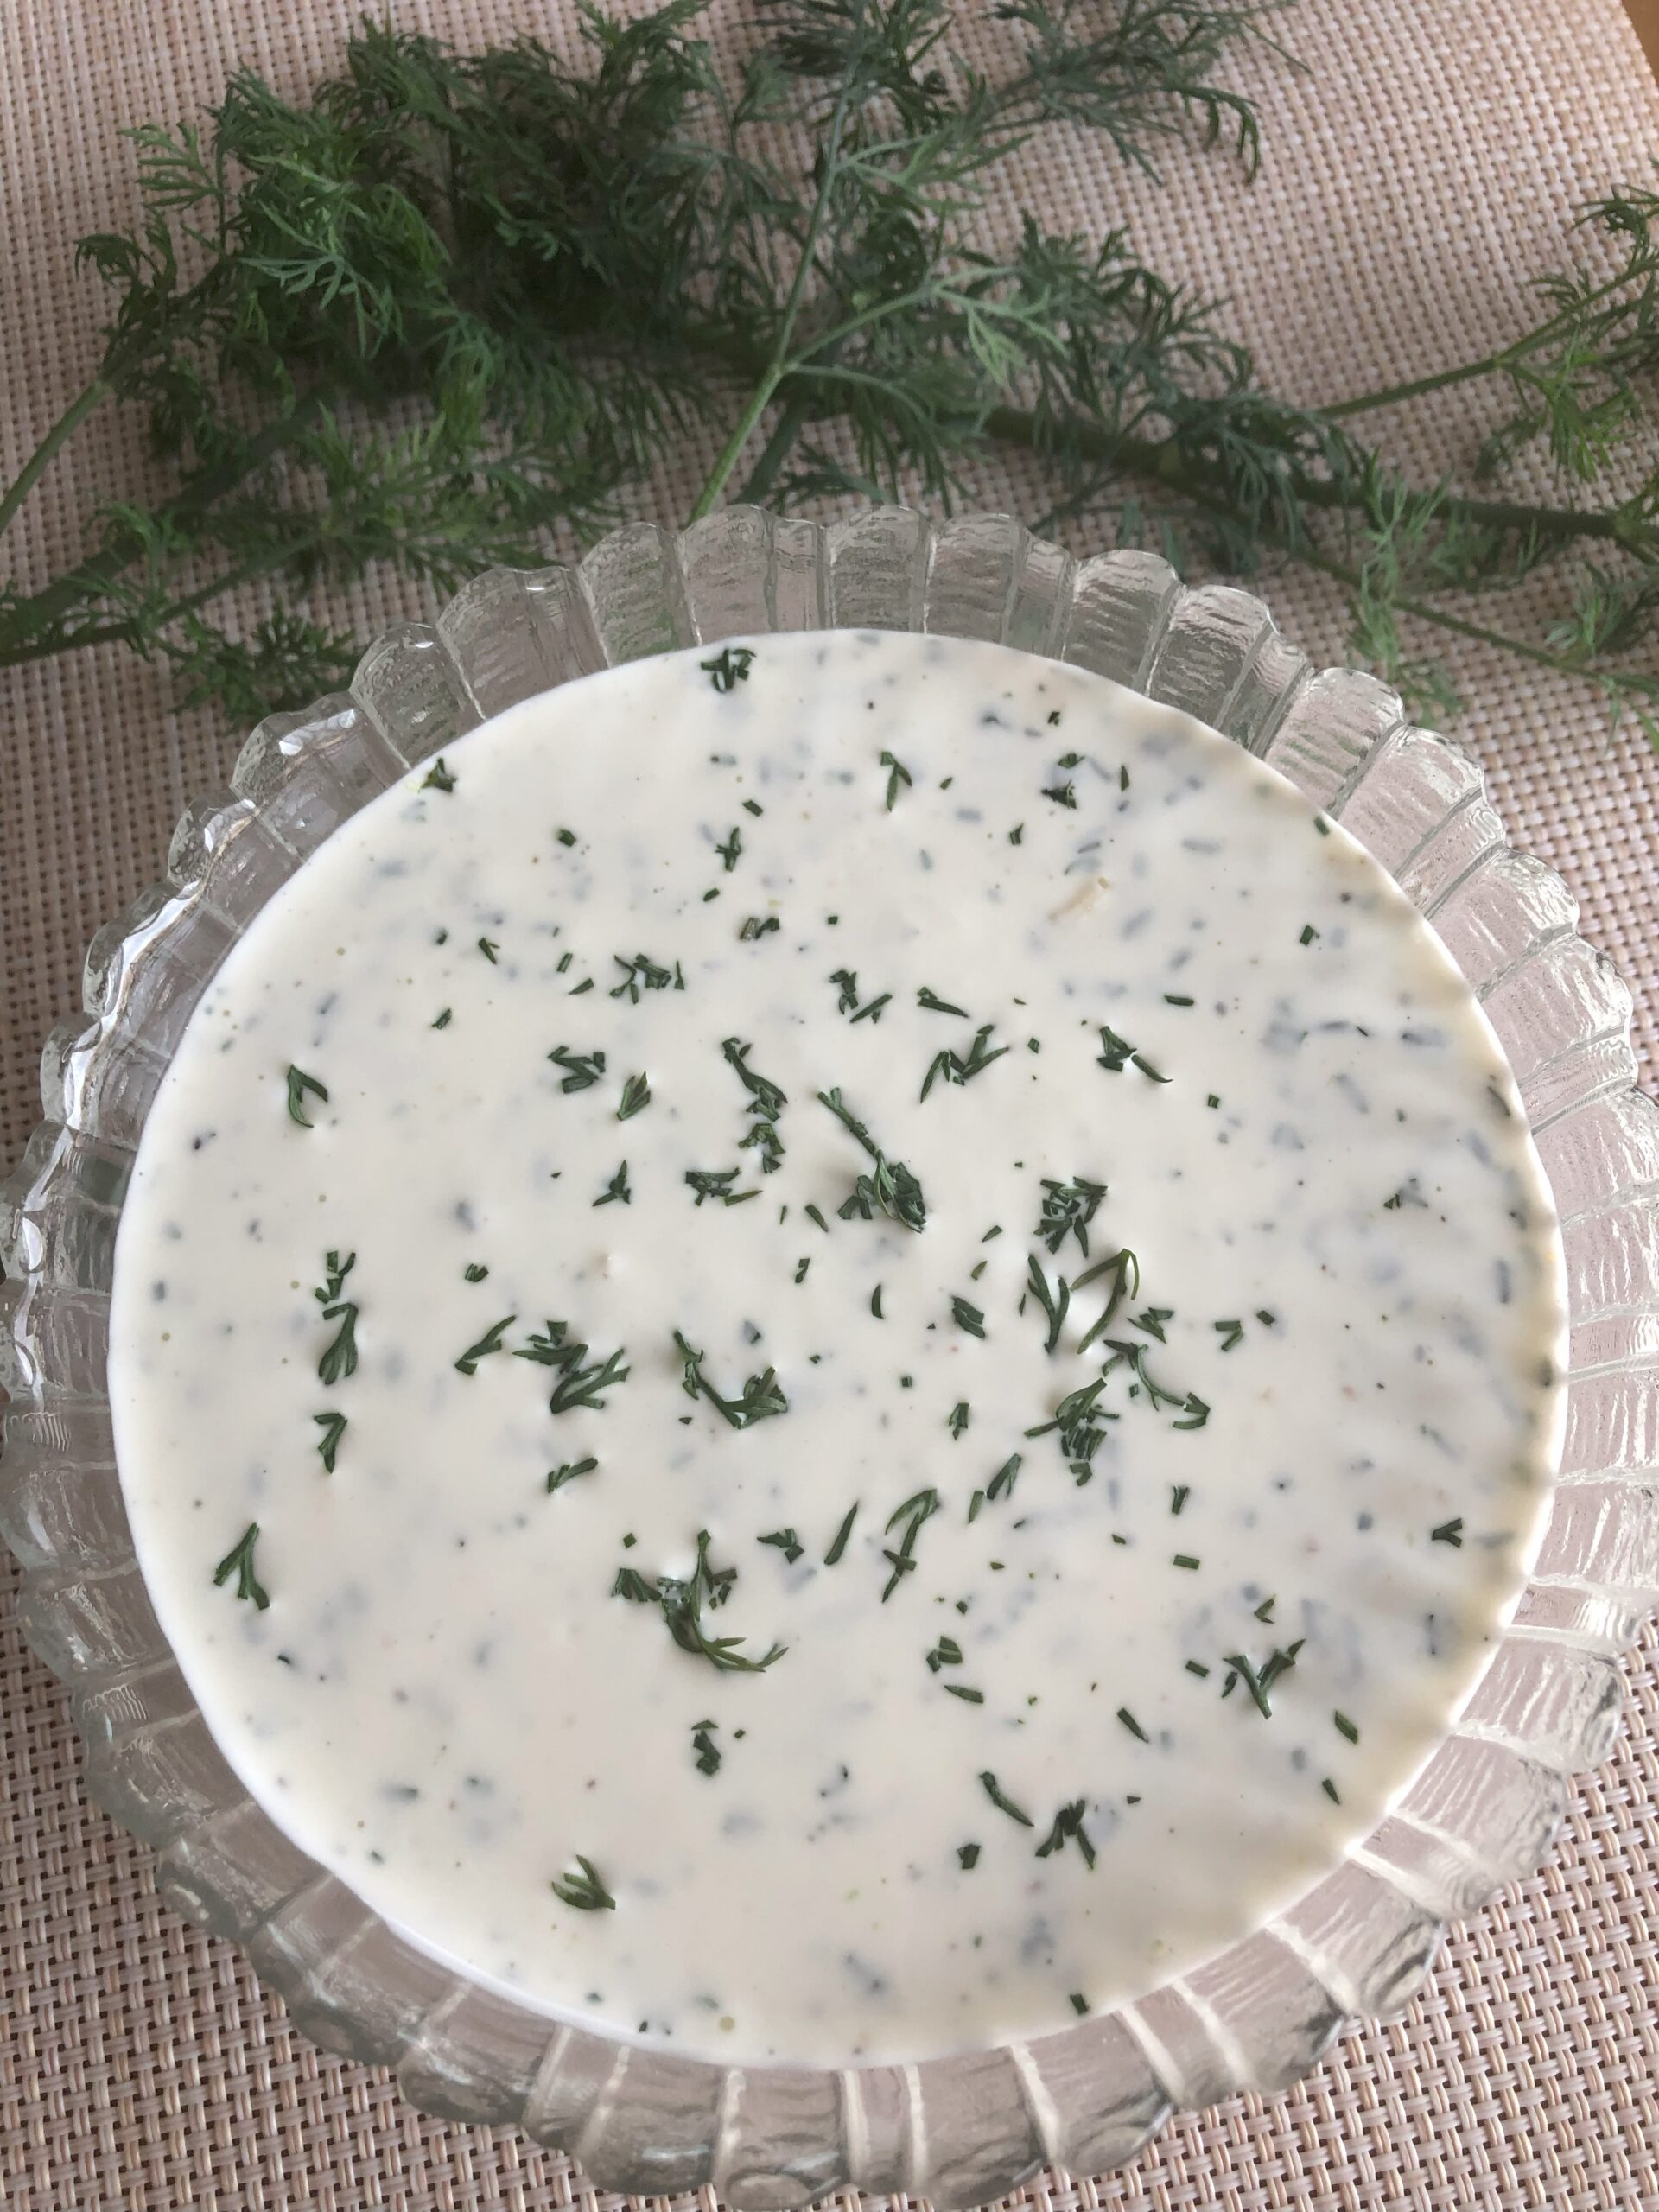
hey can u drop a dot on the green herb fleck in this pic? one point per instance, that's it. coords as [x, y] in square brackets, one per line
[761, 1396]
[1449, 1532]
[992, 1790]
[703, 1744]
[581, 1070]
[832, 1557]
[299, 1086]
[333, 1427]
[437, 777]
[968, 1318]
[897, 775]
[489, 1341]
[729, 667]
[617, 1189]
[583, 1890]
[636, 1096]
[785, 1541]
[570, 1470]
[239, 1560]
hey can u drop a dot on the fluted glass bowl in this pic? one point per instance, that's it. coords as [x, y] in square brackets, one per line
[962, 2129]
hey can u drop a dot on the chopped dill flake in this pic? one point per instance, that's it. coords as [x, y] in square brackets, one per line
[967, 1318]
[989, 1782]
[897, 775]
[475, 1273]
[1175, 998]
[1064, 794]
[1069, 1828]
[703, 1744]
[955, 1069]
[1184, 1559]
[238, 1561]
[755, 927]
[875, 1303]
[578, 1385]
[684, 1599]
[1068, 1208]
[958, 1417]
[571, 1470]
[730, 850]
[636, 1095]
[1132, 1724]
[299, 1085]
[1178, 1496]
[967, 1855]
[489, 947]
[1196, 1667]
[617, 1189]
[729, 667]
[1308, 934]
[566, 837]
[581, 1070]
[340, 1358]
[914, 1511]
[644, 974]
[833, 1556]
[1016, 835]
[961, 1690]
[800, 1266]
[785, 1541]
[1079, 2004]
[583, 1890]
[761, 1397]
[1116, 1053]
[1449, 1532]
[1329, 1789]
[491, 1341]
[437, 777]
[1053, 1302]
[333, 1427]
[1346, 1727]
[1264, 1610]
[1230, 1333]
[931, 1002]
[893, 1190]
[753, 806]
[1003, 1482]
[443, 1020]
[947, 1652]
[716, 1183]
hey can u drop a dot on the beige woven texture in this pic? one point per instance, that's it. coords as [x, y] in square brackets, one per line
[1417, 177]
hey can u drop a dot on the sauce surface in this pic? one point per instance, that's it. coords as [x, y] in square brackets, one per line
[834, 1348]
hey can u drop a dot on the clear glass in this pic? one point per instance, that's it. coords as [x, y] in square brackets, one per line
[959, 2130]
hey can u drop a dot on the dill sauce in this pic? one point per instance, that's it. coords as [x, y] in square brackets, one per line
[1111, 1467]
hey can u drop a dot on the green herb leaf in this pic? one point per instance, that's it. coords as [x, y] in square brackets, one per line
[299, 1085]
[238, 1561]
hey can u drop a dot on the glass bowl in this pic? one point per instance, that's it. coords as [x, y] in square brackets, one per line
[959, 2130]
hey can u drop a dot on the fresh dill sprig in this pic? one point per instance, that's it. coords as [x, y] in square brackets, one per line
[449, 302]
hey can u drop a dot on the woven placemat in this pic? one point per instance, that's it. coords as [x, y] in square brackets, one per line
[1417, 179]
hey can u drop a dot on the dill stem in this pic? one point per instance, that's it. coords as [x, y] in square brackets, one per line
[89, 577]
[1162, 458]
[1470, 372]
[46, 452]
[778, 365]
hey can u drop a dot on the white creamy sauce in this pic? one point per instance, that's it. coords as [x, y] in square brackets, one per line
[997, 1754]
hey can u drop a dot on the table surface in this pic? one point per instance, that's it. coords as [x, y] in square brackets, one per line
[1418, 177]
